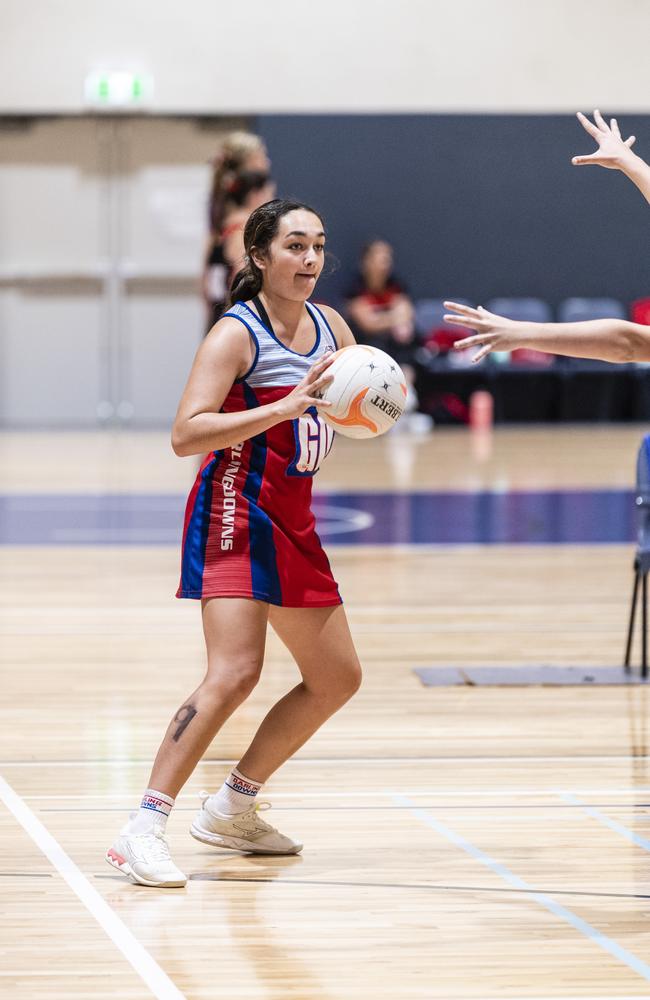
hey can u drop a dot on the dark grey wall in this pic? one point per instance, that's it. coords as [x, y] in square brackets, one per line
[475, 205]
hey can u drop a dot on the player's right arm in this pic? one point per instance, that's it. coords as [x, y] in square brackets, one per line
[614, 340]
[614, 152]
[225, 355]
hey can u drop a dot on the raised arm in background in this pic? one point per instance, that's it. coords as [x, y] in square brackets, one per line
[614, 152]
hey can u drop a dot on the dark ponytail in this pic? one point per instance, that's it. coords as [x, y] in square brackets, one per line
[259, 232]
[246, 284]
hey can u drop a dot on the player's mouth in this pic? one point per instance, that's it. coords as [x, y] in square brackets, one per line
[301, 275]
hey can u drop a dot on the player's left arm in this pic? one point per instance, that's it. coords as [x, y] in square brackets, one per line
[342, 333]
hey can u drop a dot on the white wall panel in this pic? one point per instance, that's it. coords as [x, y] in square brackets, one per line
[369, 55]
[163, 331]
[52, 355]
[102, 228]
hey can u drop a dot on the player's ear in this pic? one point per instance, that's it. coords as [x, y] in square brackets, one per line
[257, 258]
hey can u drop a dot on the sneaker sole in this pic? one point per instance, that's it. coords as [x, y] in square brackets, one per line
[116, 860]
[235, 844]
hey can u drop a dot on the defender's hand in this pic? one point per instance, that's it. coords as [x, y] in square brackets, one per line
[495, 333]
[613, 152]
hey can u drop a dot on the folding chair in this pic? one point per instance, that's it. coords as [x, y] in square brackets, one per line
[642, 557]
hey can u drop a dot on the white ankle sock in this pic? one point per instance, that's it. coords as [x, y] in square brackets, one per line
[236, 795]
[152, 814]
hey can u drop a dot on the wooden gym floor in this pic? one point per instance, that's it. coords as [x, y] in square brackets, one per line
[460, 842]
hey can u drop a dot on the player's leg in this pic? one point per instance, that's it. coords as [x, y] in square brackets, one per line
[235, 633]
[320, 642]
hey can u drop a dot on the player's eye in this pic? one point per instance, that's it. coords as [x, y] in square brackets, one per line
[295, 246]
[319, 247]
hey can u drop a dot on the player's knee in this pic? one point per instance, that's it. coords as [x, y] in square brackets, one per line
[235, 681]
[245, 678]
[346, 682]
[352, 681]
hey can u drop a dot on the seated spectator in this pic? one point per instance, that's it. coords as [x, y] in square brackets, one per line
[381, 312]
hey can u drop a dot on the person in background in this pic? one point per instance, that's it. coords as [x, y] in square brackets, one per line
[241, 182]
[381, 312]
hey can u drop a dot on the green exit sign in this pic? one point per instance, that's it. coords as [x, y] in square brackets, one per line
[118, 89]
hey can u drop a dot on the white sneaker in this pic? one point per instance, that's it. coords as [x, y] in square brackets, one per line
[145, 859]
[246, 831]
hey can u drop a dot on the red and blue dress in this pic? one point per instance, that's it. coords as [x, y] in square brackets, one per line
[249, 530]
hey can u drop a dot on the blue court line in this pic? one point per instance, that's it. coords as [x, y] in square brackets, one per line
[489, 517]
[592, 933]
[606, 821]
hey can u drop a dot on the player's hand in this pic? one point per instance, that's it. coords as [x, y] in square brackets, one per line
[613, 151]
[494, 333]
[307, 392]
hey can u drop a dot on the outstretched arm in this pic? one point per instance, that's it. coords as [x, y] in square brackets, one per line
[614, 152]
[601, 339]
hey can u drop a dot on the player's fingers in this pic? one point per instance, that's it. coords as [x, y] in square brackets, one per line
[320, 365]
[613, 124]
[466, 342]
[587, 125]
[630, 142]
[457, 307]
[481, 354]
[581, 161]
[600, 121]
[321, 382]
[471, 321]
[317, 401]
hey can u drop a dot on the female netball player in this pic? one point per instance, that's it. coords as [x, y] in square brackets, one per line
[250, 550]
[603, 339]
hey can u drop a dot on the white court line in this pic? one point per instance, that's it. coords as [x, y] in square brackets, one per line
[141, 961]
[415, 793]
[316, 761]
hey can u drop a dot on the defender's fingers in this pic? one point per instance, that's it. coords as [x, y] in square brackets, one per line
[460, 345]
[600, 121]
[474, 323]
[630, 142]
[458, 307]
[580, 161]
[613, 124]
[587, 125]
[482, 354]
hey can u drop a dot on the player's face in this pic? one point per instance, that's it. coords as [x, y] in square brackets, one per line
[296, 256]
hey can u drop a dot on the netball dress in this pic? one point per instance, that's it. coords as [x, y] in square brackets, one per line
[249, 530]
